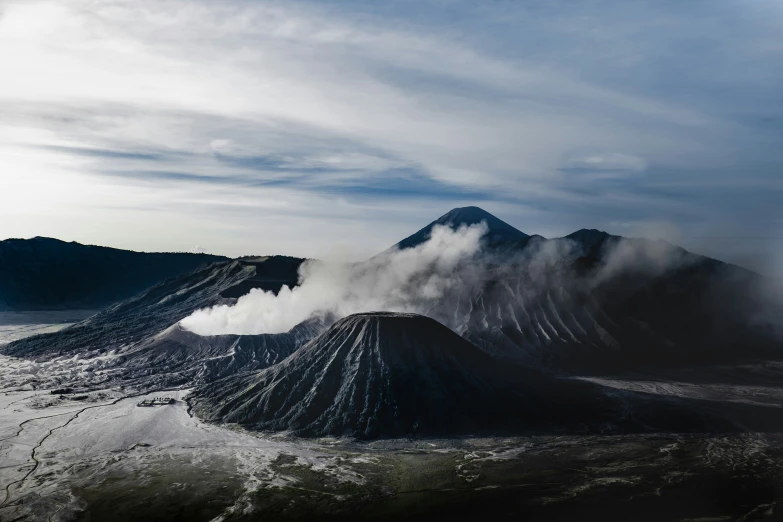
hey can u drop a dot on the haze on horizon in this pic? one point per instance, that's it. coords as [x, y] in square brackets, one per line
[315, 128]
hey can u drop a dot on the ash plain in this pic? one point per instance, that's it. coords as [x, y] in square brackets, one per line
[98, 456]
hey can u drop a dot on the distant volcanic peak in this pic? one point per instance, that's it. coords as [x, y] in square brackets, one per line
[591, 238]
[589, 233]
[473, 215]
[498, 232]
[468, 215]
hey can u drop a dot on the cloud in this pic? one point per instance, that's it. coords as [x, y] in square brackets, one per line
[642, 256]
[662, 229]
[357, 113]
[607, 163]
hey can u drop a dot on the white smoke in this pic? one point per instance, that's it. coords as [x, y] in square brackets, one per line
[409, 280]
[652, 257]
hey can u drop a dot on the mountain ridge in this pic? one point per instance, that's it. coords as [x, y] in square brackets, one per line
[607, 305]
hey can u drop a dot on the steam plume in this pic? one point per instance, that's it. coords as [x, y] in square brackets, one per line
[409, 280]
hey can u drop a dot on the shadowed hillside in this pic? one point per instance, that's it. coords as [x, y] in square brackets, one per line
[49, 274]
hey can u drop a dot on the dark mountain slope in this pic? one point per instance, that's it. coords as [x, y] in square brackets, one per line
[140, 317]
[609, 303]
[178, 356]
[388, 375]
[148, 347]
[272, 272]
[156, 309]
[47, 274]
[499, 232]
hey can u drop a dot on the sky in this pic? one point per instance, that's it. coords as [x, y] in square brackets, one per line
[336, 128]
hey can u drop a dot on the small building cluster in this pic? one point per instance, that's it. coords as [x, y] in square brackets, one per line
[156, 401]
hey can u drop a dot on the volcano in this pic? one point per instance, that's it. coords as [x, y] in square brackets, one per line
[390, 374]
[370, 375]
[498, 232]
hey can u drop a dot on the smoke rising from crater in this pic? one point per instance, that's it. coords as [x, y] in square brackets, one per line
[409, 280]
